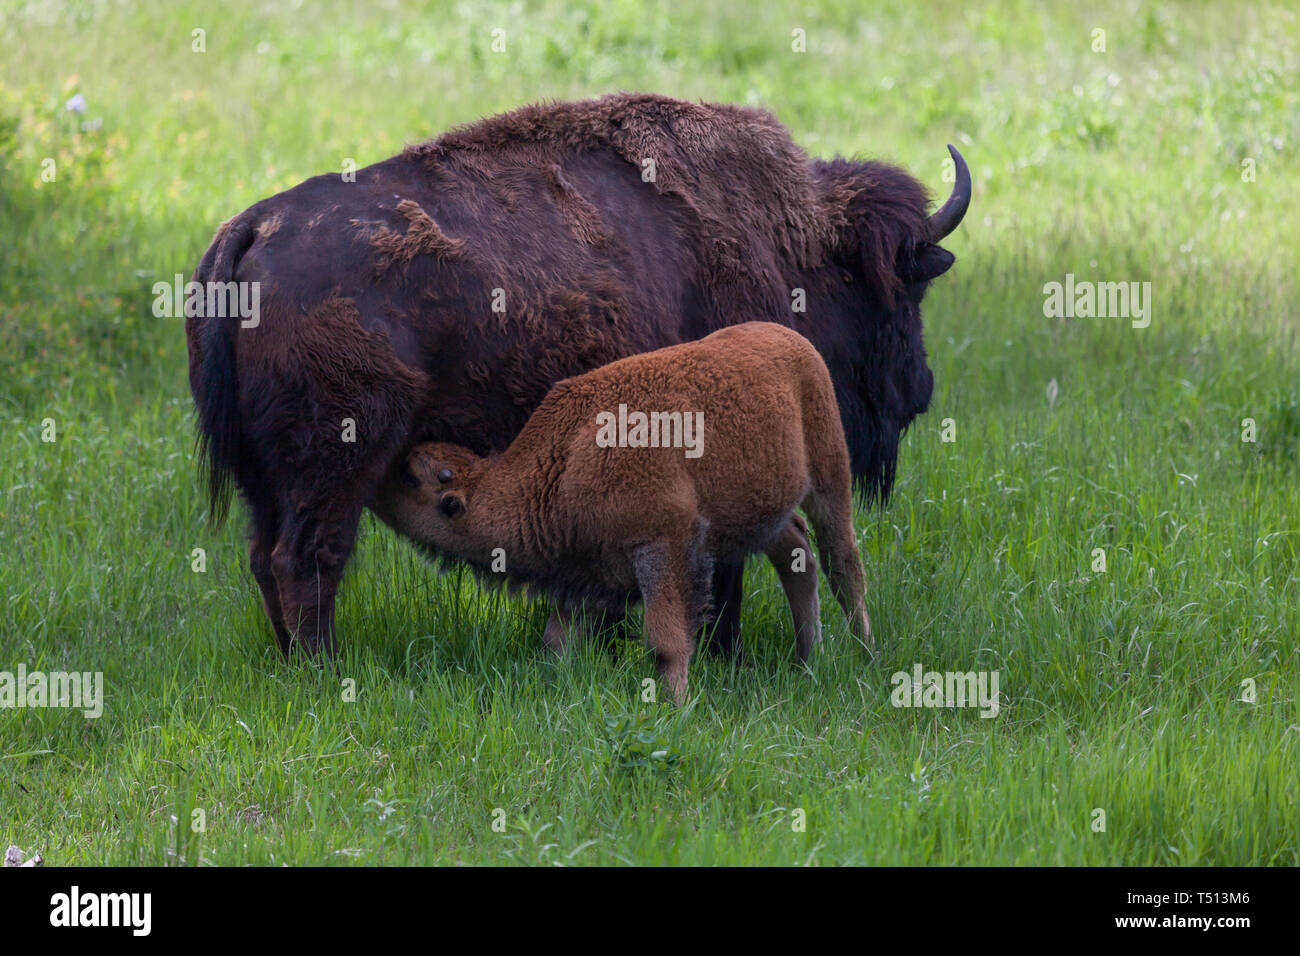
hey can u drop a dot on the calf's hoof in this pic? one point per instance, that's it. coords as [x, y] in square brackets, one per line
[673, 682]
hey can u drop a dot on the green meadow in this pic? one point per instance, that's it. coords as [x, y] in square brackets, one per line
[1107, 516]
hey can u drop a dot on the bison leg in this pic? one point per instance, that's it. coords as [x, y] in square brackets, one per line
[663, 576]
[721, 633]
[261, 542]
[562, 630]
[308, 561]
[609, 627]
[796, 566]
[569, 625]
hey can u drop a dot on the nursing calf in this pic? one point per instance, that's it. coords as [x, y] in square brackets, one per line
[634, 480]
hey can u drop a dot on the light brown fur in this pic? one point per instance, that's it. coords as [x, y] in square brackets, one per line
[599, 526]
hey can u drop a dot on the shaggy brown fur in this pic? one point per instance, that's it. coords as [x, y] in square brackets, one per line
[440, 295]
[422, 237]
[600, 526]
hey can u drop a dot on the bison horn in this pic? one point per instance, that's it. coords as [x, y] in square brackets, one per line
[950, 214]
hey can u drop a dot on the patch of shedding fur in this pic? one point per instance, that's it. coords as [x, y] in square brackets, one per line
[582, 218]
[268, 227]
[422, 237]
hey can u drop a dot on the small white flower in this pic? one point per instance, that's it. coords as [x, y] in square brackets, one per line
[77, 104]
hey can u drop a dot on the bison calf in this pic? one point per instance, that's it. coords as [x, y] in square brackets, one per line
[634, 479]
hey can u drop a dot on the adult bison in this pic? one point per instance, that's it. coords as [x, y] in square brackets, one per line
[440, 294]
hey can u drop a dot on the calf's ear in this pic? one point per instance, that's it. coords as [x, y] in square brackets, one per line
[928, 262]
[451, 504]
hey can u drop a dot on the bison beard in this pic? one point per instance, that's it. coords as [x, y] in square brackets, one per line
[441, 294]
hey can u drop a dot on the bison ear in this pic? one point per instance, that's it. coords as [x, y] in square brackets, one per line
[451, 504]
[407, 476]
[928, 262]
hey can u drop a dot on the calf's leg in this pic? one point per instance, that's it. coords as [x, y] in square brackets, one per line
[663, 575]
[796, 566]
[832, 521]
[829, 502]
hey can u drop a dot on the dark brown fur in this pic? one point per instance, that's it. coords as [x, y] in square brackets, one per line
[378, 304]
[596, 527]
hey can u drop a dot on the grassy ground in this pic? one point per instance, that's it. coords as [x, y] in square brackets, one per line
[1121, 690]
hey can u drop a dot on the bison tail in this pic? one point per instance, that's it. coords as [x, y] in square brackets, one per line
[215, 386]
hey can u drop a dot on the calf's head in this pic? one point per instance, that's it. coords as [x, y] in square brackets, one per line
[426, 495]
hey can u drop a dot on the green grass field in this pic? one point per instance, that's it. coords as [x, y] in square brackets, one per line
[1127, 691]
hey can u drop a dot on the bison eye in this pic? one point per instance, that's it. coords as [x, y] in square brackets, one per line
[444, 476]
